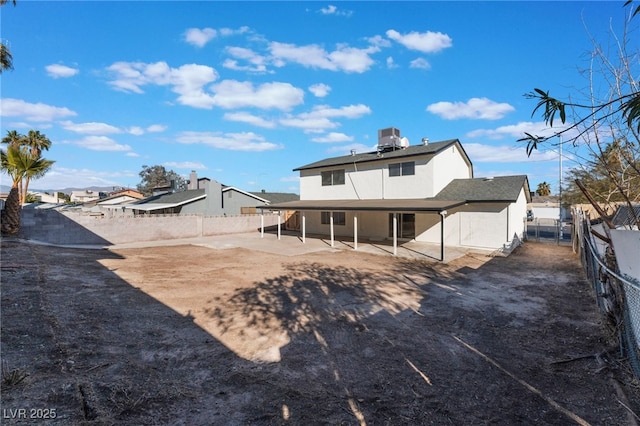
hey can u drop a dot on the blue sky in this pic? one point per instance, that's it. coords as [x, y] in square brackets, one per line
[243, 92]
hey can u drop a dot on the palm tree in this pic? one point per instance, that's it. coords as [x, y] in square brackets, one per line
[10, 217]
[13, 138]
[19, 163]
[544, 189]
[36, 142]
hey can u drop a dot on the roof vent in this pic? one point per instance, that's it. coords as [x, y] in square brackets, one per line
[425, 141]
[353, 152]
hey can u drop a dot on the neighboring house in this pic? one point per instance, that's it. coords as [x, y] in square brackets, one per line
[546, 207]
[291, 217]
[43, 197]
[204, 197]
[117, 198]
[423, 192]
[84, 195]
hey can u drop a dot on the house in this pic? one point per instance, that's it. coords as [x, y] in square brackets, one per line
[423, 192]
[44, 197]
[204, 196]
[84, 195]
[291, 217]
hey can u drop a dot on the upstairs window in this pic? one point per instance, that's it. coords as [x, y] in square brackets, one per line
[332, 177]
[402, 169]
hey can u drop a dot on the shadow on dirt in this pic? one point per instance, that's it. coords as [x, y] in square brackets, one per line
[394, 342]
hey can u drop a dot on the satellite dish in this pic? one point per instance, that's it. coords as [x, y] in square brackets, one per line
[404, 142]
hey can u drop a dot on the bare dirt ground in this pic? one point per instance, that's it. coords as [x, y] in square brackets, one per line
[191, 335]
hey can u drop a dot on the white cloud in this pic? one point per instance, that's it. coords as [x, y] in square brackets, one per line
[391, 63]
[246, 141]
[199, 37]
[515, 130]
[61, 71]
[63, 177]
[187, 80]
[235, 94]
[333, 10]
[481, 153]
[333, 137]
[379, 41]
[420, 63]
[156, 128]
[90, 128]
[99, 143]
[10, 107]
[258, 63]
[294, 178]
[320, 90]
[474, 108]
[191, 165]
[344, 58]
[427, 42]
[94, 128]
[135, 130]
[319, 119]
[245, 117]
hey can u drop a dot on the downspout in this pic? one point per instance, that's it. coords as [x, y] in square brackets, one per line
[355, 168]
[508, 233]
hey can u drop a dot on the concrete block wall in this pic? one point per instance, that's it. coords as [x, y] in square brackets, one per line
[74, 228]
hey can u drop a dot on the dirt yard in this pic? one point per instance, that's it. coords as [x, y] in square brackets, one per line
[190, 335]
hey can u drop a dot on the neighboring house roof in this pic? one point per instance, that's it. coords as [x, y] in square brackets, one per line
[458, 192]
[496, 189]
[277, 197]
[400, 153]
[625, 216]
[166, 201]
[248, 194]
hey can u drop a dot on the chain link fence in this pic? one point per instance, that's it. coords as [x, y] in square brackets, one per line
[617, 296]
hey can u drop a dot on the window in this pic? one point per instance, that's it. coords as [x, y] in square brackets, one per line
[332, 177]
[402, 169]
[339, 218]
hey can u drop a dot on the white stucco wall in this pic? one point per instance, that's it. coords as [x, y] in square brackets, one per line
[449, 166]
[371, 181]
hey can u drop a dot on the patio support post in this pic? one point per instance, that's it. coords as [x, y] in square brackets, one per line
[331, 226]
[442, 216]
[278, 224]
[304, 227]
[262, 225]
[395, 234]
[355, 231]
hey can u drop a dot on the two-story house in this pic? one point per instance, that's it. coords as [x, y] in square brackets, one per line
[423, 192]
[203, 196]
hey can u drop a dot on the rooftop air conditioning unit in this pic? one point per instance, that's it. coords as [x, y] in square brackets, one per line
[388, 138]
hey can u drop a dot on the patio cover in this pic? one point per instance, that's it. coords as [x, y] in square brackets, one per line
[387, 205]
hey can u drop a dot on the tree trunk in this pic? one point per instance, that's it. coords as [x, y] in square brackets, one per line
[11, 213]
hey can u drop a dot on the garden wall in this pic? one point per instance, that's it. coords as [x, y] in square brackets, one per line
[55, 227]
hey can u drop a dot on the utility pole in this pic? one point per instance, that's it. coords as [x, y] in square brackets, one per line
[560, 194]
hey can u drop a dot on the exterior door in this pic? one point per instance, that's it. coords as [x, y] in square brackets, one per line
[406, 225]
